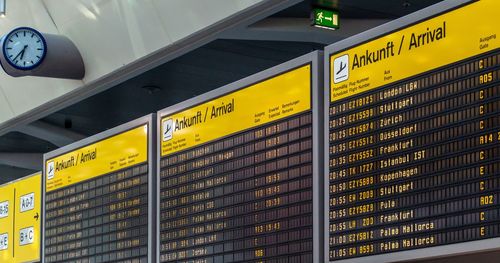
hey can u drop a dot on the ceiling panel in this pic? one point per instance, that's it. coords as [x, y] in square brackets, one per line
[361, 9]
[16, 142]
[214, 65]
[9, 173]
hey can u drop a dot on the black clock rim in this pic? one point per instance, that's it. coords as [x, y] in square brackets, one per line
[34, 65]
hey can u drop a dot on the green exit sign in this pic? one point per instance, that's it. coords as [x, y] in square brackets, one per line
[325, 18]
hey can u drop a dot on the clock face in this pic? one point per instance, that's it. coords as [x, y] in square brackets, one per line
[24, 48]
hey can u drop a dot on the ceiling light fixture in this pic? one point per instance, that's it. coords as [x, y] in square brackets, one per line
[151, 89]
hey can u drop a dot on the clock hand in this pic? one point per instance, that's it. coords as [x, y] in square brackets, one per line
[23, 51]
[20, 52]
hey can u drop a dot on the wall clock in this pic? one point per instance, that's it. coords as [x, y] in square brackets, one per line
[24, 48]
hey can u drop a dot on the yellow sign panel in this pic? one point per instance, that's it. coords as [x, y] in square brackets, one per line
[20, 203]
[272, 99]
[464, 32]
[118, 152]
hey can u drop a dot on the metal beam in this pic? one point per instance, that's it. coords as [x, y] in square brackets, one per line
[300, 30]
[51, 133]
[32, 161]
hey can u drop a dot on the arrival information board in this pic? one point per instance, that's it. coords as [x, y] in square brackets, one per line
[236, 175]
[96, 201]
[414, 133]
[20, 220]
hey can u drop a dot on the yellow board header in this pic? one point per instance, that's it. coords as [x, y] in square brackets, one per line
[20, 203]
[272, 99]
[117, 152]
[456, 35]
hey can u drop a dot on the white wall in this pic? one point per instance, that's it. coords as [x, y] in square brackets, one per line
[18, 95]
[109, 34]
